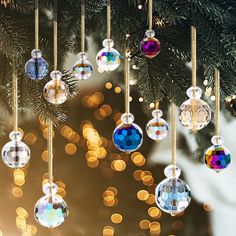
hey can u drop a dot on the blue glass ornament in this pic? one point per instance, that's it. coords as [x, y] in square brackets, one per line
[51, 210]
[172, 194]
[128, 136]
[36, 68]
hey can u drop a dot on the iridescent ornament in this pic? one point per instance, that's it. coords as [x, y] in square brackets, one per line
[217, 157]
[172, 194]
[157, 128]
[128, 136]
[15, 154]
[150, 46]
[195, 114]
[108, 59]
[36, 68]
[56, 91]
[83, 68]
[51, 210]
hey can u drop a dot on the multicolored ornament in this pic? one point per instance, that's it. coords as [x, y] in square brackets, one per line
[83, 68]
[157, 128]
[128, 136]
[36, 68]
[150, 46]
[195, 114]
[172, 194]
[217, 157]
[15, 154]
[108, 59]
[56, 91]
[51, 210]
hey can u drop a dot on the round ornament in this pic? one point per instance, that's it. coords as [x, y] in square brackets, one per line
[56, 91]
[172, 194]
[36, 68]
[128, 136]
[108, 59]
[195, 114]
[83, 68]
[157, 128]
[15, 154]
[150, 46]
[51, 210]
[217, 157]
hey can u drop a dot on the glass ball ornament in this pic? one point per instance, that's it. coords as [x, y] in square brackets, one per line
[50, 210]
[83, 68]
[157, 128]
[172, 194]
[15, 154]
[195, 114]
[36, 68]
[128, 136]
[108, 59]
[150, 46]
[217, 157]
[56, 91]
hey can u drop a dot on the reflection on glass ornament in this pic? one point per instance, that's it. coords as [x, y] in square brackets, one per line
[15, 154]
[51, 210]
[217, 157]
[157, 128]
[56, 91]
[83, 68]
[36, 68]
[128, 136]
[172, 194]
[150, 46]
[195, 114]
[108, 59]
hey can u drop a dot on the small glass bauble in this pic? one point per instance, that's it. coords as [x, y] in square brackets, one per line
[51, 210]
[195, 114]
[15, 154]
[36, 68]
[56, 91]
[157, 128]
[172, 194]
[108, 59]
[217, 157]
[128, 136]
[83, 68]
[150, 46]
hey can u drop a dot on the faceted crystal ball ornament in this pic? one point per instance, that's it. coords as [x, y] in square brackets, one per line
[56, 91]
[195, 114]
[157, 128]
[128, 136]
[108, 59]
[217, 157]
[15, 154]
[51, 210]
[36, 68]
[82, 68]
[150, 46]
[173, 194]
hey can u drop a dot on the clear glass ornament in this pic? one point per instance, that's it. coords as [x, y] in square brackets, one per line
[36, 68]
[83, 68]
[108, 59]
[51, 210]
[150, 46]
[172, 195]
[195, 114]
[128, 136]
[56, 91]
[157, 128]
[15, 154]
[217, 157]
